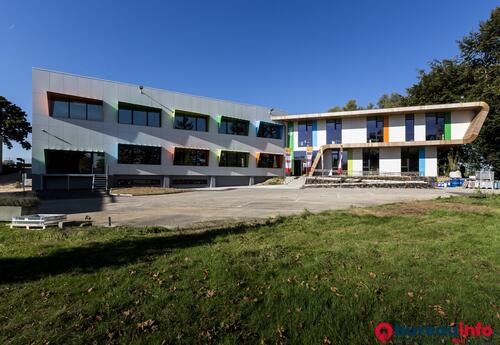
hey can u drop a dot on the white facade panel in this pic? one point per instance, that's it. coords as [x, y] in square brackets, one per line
[419, 127]
[321, 134]
[397, 128]
[431, 165]
[390, 160]
[460, 122]
[357, 162]
[354, 130]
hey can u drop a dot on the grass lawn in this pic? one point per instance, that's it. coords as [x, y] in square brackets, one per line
[310, 279]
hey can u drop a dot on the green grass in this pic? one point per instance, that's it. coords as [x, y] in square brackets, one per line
[307, 279]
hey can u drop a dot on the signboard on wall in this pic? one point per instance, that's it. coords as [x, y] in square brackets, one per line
[309, 156]
[288, 160]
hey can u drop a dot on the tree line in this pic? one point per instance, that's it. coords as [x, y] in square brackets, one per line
[473, 75]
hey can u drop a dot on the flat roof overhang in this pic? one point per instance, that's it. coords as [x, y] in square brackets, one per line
[477, 106]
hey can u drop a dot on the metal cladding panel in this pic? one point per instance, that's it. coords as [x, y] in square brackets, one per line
[70, 134]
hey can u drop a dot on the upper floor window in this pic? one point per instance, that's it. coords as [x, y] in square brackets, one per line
[375, 129]
[73, 107]
[133, 114]
[270, 160]
[409, 127]
[138, 154]
[269, 130]
[334, 131]
[233, 159]
[191, 121]
[229, 125]
[187, 156]
[434, 126]
[305, 133]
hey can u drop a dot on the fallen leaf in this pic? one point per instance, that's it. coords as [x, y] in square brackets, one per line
[148, 325]
[410, 294]
[372, 275]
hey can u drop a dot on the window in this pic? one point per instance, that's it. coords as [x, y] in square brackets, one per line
[434, 126]
[191, 121]
[269, 130]
[139, 182]
[73, 107]
[195, 157]
[370, 160]
[233, 159]
[74, 162]
[269, 160]
[334, 132]
[137, 154]
[305, 133]
[409, 159]
[410, 127]
[133, 114]
[375, 129]
[335, 160]
[233, 126]
[188, 182]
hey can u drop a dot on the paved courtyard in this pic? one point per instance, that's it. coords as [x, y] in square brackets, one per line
[201, 207]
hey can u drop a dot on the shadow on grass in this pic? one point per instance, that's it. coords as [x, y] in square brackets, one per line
[90, 258]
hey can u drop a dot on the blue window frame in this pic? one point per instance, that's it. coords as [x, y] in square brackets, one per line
[409, 127]
[375, 129]
[305, 133]
[434, 126]
[334, 131]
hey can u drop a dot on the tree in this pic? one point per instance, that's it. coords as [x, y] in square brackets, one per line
[14, 125]
[472, 76]
[350, 105]
[392, 100]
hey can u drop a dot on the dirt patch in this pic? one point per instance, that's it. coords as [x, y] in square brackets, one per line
[136, 191]
[415, 209]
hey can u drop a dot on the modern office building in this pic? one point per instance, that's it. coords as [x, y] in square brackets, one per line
[92, 133]
[393, 141]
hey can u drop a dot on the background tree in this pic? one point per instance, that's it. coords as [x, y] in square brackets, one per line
[472, 76]
[350, 105]
[392, 100]
[14, 125]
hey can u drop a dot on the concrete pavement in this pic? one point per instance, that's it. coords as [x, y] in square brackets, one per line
[204, 207]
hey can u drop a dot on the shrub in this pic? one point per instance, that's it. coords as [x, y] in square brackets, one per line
[28, 201]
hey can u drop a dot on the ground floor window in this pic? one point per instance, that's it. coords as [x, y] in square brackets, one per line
[195, 157]
[74, 162]
[336, 158]
[269, 160]
[188, 181]
[134, 182]
[370, 160]
[233, 159]
[138, 154]
[409, 159]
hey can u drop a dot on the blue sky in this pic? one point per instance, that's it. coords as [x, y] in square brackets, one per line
[300, 56]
